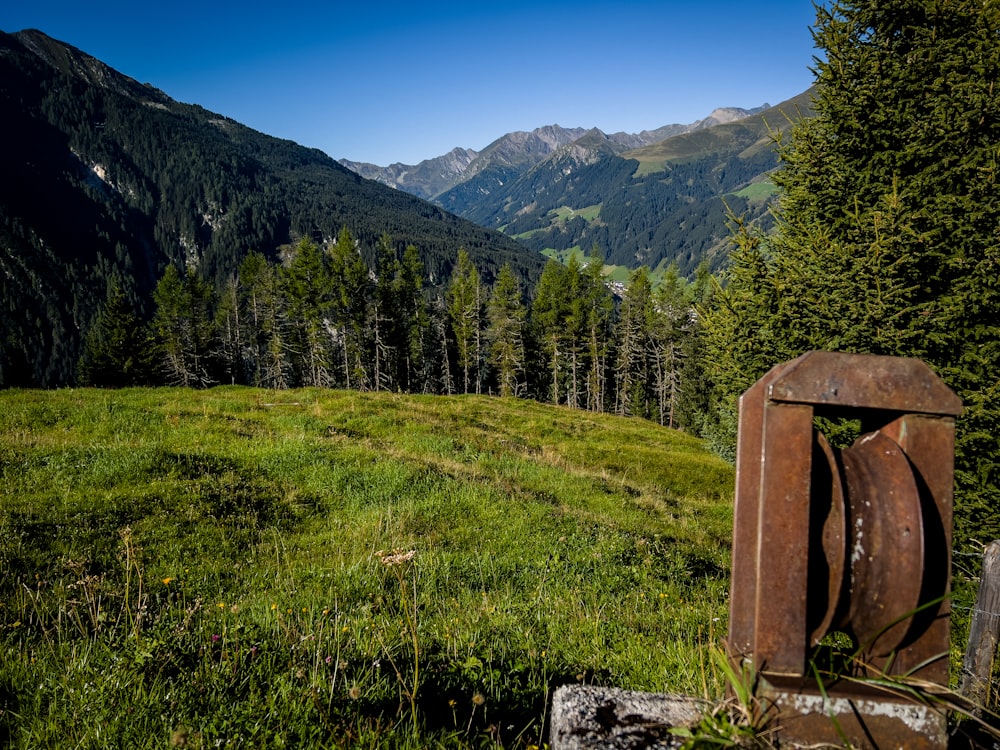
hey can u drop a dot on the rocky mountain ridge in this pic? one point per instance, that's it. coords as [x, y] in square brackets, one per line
[519, 151]
[661, 204]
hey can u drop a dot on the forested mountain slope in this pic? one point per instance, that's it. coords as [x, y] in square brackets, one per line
[106, 178]
[660, 204]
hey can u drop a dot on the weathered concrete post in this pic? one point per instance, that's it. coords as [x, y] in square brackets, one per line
[856, 540]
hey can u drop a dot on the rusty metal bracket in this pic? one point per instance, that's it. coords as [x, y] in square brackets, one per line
[854, 540]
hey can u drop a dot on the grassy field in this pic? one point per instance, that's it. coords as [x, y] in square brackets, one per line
[242, 568]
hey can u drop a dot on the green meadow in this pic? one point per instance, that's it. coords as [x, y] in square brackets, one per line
[313, 568]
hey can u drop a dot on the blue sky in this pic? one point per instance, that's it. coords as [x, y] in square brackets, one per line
[387, 82]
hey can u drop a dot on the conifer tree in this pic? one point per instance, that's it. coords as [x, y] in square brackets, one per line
[598, 306]
[632, 334]
[414, 320]
[308, 288]
[184, 327]
[505, 333]
[575, 331]
[740, 344]
[116, 348]
[548, 316]
[886, 240]
[386, 324]
[465, 312]
[351, 291]
[267, 353]
[438, 376]
[230, 323]
[669, 329]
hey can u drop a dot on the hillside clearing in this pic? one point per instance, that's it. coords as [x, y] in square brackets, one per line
[218, 565]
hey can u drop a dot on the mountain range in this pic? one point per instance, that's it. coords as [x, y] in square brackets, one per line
[654, 198]
[517, 152]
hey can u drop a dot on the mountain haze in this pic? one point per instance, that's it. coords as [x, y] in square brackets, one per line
[106, 178]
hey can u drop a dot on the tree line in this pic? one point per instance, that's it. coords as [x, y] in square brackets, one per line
[321, 316]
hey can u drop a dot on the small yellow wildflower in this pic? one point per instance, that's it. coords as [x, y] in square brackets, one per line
[167, 580]
[222, 605]
[274, 607]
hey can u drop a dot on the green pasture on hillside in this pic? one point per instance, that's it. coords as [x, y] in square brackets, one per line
[312, 568]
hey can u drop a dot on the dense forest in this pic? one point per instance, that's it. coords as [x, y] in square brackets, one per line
[105, 178]
[323, 317]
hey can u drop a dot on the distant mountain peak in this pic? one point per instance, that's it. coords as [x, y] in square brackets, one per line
[723, 115]
[520, 150]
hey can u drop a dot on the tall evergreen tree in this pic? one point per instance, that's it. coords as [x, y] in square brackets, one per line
[231, 326]
[414, 320]
[669, 329]
[116, 347]
[505, 333]
[548, 316]
[351, 289]
[386, 324]
[267, 352]
[887, 240]
[184, 327]
[307, 285]
[598, 305]
[740, 343]
[465, 311]
[632, 366]
[575, 331]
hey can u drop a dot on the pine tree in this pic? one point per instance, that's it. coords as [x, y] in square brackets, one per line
[231, 326]
[351, 290]
[692, 405]
[505, 333]
[632, 366]
[575, 331]
[548, 315]
[267, 352]
[886, 240]
[184, 327]
[438, 372]
[670, 326]
[386, 324]
[598, 306]
[414, 320]
[116, 348]
[307, 287]
[737, 328]
[465, 312]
